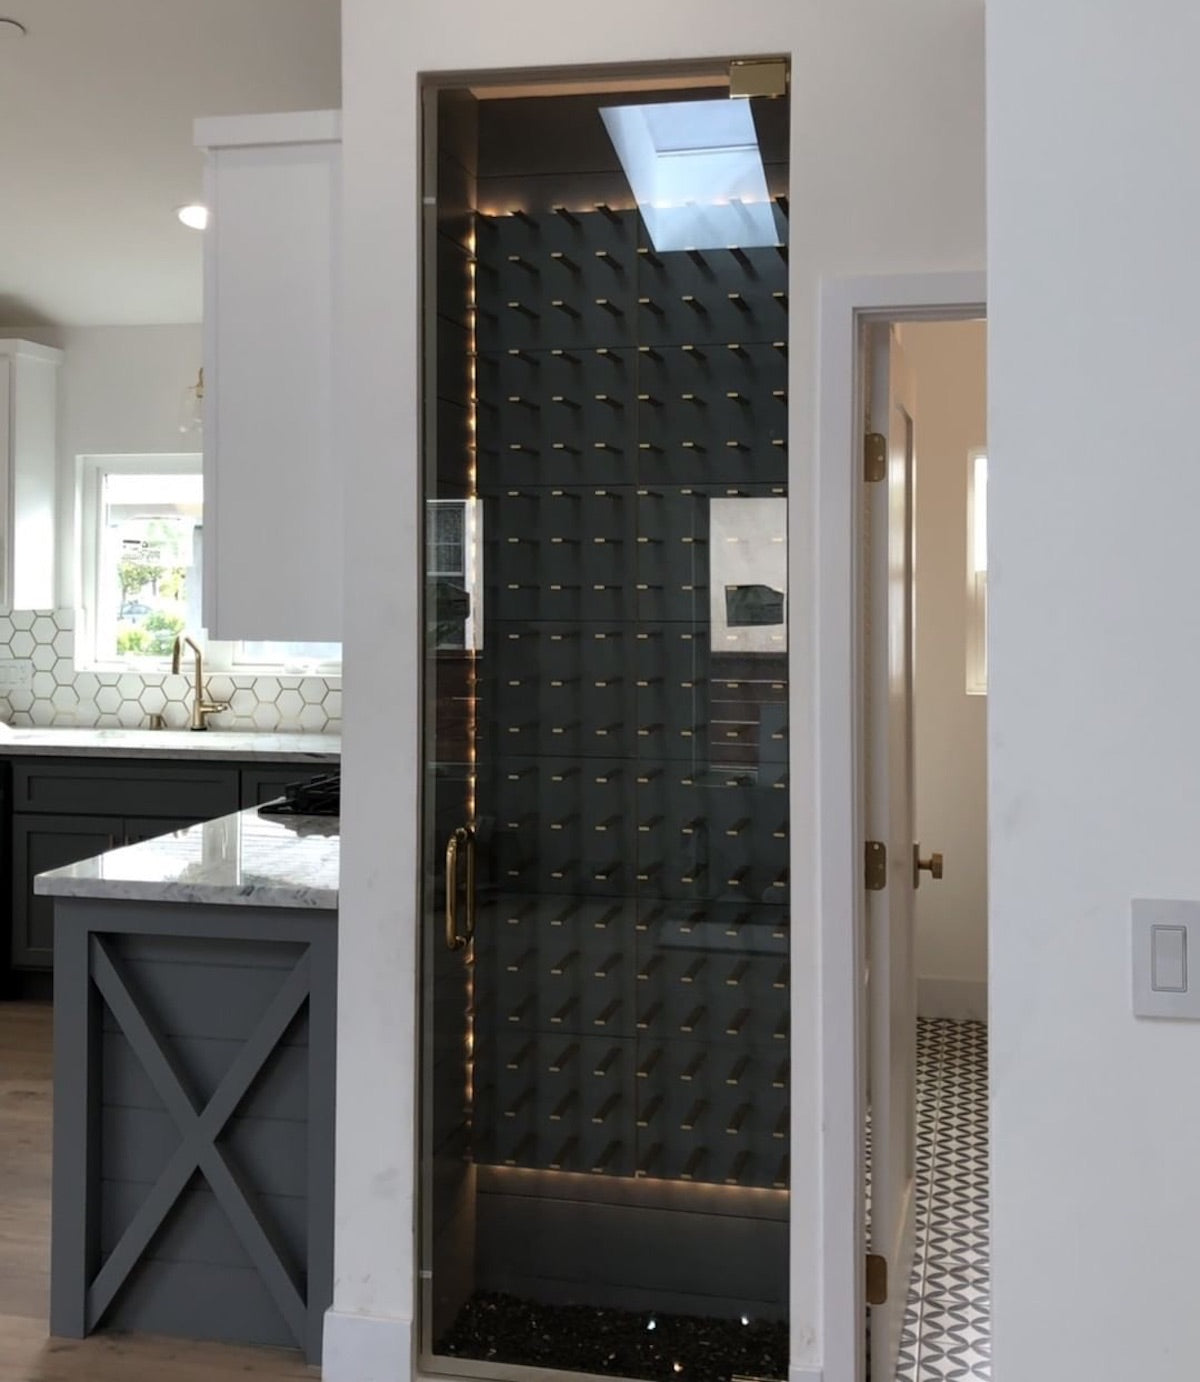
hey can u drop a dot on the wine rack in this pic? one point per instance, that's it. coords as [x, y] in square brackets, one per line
[630, 999]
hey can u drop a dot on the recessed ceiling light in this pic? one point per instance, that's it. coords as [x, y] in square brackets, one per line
[195, 217]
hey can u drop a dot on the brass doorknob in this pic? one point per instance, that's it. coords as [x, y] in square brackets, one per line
[931, 865]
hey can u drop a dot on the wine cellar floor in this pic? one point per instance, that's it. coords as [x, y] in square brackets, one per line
[947, 1326]
[576, 1338]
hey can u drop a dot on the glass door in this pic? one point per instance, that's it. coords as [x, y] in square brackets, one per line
[605, 942]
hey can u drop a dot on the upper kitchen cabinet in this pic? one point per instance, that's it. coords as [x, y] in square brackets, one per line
[272, 560]
[28, 461]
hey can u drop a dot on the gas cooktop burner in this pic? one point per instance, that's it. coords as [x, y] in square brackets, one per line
[315, 796]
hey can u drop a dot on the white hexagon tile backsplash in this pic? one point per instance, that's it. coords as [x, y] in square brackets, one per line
[55, 694]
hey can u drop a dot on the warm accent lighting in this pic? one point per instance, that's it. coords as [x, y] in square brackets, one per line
[697, 173]
[195, 216]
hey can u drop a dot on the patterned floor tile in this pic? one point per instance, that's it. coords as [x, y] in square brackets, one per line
[947, 1326]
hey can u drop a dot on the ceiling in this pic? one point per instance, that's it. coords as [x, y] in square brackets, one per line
[96, 108]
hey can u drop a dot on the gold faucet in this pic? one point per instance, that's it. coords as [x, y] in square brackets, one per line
[201, 709]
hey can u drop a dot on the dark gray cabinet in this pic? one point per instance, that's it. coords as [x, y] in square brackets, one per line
[65, 810]
[41, 843]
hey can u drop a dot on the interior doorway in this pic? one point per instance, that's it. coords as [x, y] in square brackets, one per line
[923, 537]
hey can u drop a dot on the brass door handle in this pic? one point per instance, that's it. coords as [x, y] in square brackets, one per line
[932, 865]
[463, 836]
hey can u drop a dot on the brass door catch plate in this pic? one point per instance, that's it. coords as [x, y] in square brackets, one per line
[874, 457]
[877, 1279]
[758, 77]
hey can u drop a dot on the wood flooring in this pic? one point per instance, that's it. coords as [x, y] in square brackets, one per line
[27, 1353]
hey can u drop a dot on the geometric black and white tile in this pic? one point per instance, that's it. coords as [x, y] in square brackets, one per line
[947, 1325]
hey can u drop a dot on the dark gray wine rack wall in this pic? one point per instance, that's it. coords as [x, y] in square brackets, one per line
[630, 978]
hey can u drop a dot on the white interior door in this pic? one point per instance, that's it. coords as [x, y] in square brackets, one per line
[889, 797]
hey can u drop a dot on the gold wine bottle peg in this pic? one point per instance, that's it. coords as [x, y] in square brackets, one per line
[781, 1126]
[525, 1097]
[691, 1167]
[607, 1013]
[560, 354]
[561, 966]
[693, 1019]
[606, 1158]
[649, 1061]
[565, 1156]
[648, 254]
[649, 1160]
[568, 216]
[738, 1070]
[738, 301]
[567, 307]
[780, 1079]
[737, 1022]
[559, 1017]
[651, 306]
[648, 1018]
[606, 1108]
[515, 1062]
[648, 1110]
[558, 257]
[737, 1170]
[524, 309]
[737, 974]
[650, 352]
[737, 1118]
[694, 1115]
[606, 1062]
[605, 210]
[522, 263]
[693, 1068]
[563, 1107]
[564, 1058]
[523, 1151]
[693, 971]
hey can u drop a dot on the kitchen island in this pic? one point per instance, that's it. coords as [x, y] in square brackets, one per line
[194, 1031]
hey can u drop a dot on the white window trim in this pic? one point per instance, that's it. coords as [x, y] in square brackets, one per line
[977, 576]
[219, 655]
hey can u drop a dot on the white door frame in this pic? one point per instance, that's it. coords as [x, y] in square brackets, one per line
[844, 305]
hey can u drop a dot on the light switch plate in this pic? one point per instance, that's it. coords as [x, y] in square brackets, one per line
[1166, 958]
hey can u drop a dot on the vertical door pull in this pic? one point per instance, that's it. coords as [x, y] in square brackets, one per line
[464, 836]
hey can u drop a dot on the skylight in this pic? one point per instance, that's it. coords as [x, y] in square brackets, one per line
[696, 172]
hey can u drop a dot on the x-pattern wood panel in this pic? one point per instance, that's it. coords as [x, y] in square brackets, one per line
[199, 1124]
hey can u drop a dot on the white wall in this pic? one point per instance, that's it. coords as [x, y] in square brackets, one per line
[120, 389]
[949, 361]
[1094, 738]
[887, 175]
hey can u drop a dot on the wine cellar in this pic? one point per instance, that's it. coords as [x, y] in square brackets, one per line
[606, 1110]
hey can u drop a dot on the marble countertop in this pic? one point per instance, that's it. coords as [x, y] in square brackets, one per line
[244, 860]
[231, 745]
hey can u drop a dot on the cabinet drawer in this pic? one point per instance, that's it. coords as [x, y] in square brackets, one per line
[162, 788]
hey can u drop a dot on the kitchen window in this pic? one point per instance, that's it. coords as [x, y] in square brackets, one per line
[141, 556]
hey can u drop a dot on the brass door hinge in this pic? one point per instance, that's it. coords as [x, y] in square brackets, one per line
[877, 1279]
[876, 866]
[874, 457]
